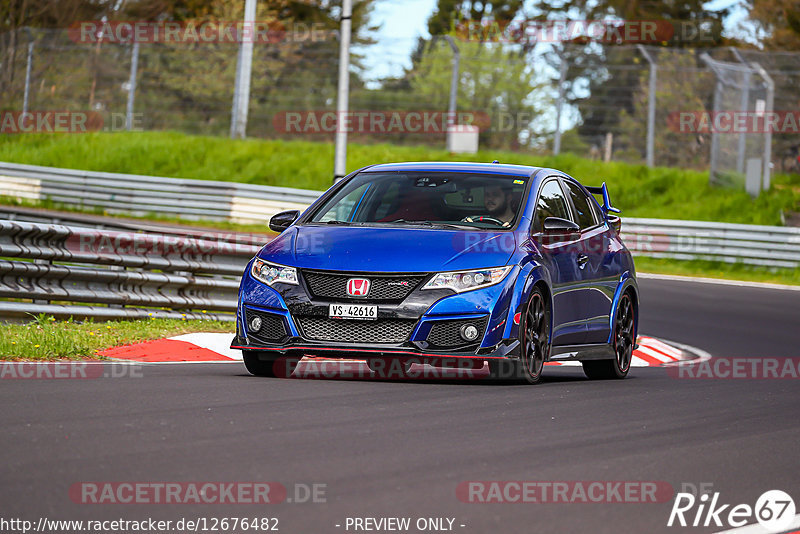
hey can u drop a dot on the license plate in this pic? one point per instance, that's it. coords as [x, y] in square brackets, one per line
[362, 312]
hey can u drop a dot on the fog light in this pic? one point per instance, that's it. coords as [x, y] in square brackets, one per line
[469, 332]
[255, 324]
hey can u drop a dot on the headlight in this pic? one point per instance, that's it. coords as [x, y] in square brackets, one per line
[467, 280]
[272, 273]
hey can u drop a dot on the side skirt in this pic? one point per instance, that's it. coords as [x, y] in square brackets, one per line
[595, 351]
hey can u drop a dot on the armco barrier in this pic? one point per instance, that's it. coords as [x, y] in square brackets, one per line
[82, 272]
[772, 246]
[141, 195]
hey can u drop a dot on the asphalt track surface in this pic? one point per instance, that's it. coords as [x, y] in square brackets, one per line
[400, 449]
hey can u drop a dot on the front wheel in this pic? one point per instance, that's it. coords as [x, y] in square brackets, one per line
[623, 339]
[534, 339]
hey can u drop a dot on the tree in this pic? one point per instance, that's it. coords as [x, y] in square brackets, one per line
[606, 74]
[779, 21]
[681, 88]
[448, 11]
[495, 84]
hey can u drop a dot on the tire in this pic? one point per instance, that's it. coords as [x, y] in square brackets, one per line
[506, 369]
[623, 338]
[281, 367]
[534, 338]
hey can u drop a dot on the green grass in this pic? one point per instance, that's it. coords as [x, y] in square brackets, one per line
[721, 270]
[638, 190]
[45, 338]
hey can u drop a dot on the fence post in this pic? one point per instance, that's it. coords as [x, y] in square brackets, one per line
[559, 104]
[132, 86]
[651, 106]
[343, 96]
[768, 134]
[244, 68]
[26, 97]
[715, 108]
[453, 81]
[742, 107]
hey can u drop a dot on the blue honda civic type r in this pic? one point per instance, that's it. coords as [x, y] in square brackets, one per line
[439, 263]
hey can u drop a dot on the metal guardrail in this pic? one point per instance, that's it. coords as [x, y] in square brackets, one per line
[141, 195]
[126, 274]
[770, 246]
[82, 272]
[114, 269]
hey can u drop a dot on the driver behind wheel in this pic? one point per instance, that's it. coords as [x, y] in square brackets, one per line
[498, 202]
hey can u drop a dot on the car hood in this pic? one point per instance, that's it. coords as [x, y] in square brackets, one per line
[371, 249]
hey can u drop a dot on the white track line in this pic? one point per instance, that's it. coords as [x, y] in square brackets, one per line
[215, 342]
[658, 355]
[660, 346]
[718, 281]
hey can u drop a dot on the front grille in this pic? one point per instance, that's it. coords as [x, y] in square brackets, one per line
[447, 334]
[347, 331]
[388, 288]
[273, 327]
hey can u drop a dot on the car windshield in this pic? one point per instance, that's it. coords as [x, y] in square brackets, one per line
[434, 199]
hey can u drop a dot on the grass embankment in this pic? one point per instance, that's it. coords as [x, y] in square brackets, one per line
[638, 190]
[45, 338]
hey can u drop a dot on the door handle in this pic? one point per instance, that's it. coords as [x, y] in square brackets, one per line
[583, 259]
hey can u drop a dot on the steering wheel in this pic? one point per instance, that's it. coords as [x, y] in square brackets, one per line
[483, 218]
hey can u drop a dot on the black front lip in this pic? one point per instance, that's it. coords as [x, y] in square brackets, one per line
[507, 349]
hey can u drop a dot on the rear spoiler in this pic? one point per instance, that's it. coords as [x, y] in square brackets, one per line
[603, 190]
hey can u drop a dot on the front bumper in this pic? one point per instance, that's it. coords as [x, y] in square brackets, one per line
[424, 324]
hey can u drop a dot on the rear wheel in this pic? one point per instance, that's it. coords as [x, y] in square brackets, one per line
[259, 364]
[623, 339]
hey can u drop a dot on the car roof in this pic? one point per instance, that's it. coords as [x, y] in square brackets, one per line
[454, 166]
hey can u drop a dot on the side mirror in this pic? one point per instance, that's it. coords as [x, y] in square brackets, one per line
[281, 221]
[557, 225]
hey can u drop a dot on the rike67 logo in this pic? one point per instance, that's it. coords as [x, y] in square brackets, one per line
[774, 510]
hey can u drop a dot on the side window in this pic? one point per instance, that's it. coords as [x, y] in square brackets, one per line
[582, 205]
[344, 210]
[551, 204]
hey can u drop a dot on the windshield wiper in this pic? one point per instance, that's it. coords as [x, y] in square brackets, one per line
[431, 223]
